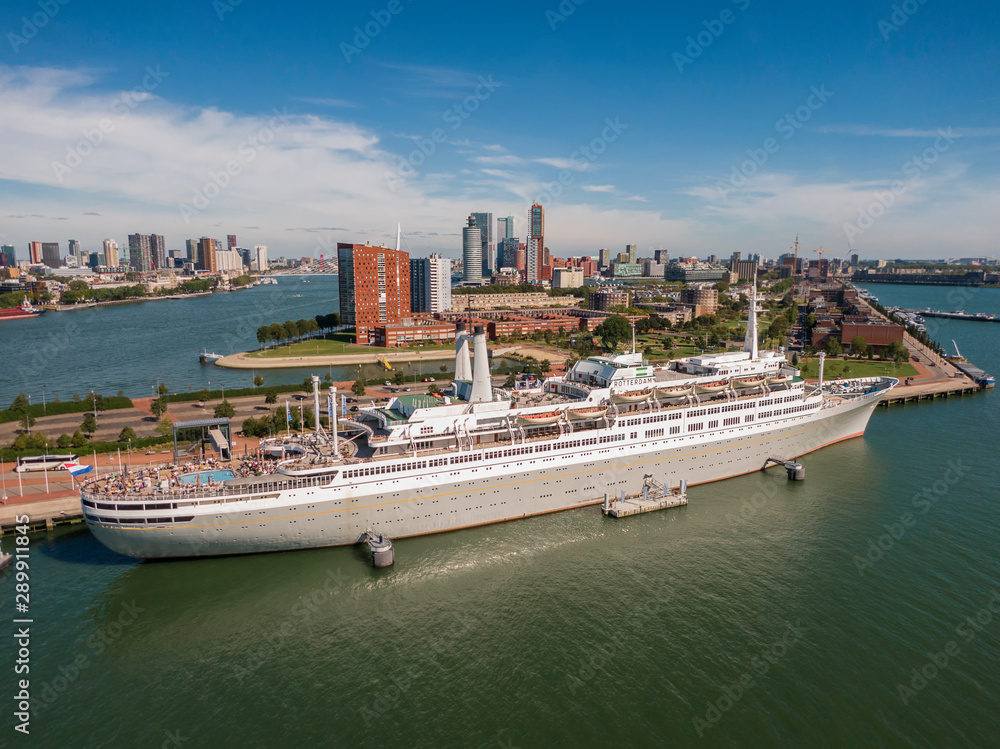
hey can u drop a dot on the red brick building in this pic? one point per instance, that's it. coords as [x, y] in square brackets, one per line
[391, 336]
[374, 287]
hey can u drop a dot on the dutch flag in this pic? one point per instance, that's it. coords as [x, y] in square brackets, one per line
[76, 469]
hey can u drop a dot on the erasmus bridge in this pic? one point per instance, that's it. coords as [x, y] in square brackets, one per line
[323, 266]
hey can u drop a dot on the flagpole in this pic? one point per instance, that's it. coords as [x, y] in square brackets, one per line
[46, 480]
[20, 489]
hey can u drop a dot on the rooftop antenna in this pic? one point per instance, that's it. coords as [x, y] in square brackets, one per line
[633, 337]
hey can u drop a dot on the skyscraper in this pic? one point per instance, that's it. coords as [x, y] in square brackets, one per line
[110, 253]
[632, 251]
[158, 250]
[206, 255]
[374, 287]
[260, 255]
[508, 252]
[505, 230]
[35, 253]
[230, 241]
[140, 257]
[472, 252]
[192, 250]
[430, 284]
[485, 223]
[7, 256]
[50, 254]
[536, 243]
[75, 250]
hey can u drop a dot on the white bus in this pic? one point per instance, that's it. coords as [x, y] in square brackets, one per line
[43, 462]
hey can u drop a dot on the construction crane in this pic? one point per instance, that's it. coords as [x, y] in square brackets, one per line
[796, 247]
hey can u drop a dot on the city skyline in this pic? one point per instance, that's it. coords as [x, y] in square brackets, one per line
[734, 133]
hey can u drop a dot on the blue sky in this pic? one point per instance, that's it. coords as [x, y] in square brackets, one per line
[703, 128]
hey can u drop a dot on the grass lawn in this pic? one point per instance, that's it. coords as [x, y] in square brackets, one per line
[319, 347]
[855, 368]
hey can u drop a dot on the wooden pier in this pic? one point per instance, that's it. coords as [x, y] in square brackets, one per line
[930, 391]
[43, 515]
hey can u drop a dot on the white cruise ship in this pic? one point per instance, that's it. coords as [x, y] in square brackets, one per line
[425, 464]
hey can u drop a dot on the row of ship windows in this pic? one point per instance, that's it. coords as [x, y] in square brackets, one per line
[377, 470]
[139, 521]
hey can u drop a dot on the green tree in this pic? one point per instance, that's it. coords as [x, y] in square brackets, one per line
[165, 427]
[358, 388]
[225, 410]
[433, 388]
[511, 381]
[19, 404]
[38, 441]
[89, 424]
[897, 351]
[833, 347]
[271, 395]
[78, 439]
[399, 378]
[158, 407]
[258, 381]
[163, 389]
[859, 346]
[127, 433]
[203, 396]
[64, 441]
[27, 420]
[262, 335]
[613, 331]
[545, 366]
[21, 442]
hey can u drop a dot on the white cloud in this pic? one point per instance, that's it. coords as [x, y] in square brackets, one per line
[910, 132]
[563, 163]
[598, 188]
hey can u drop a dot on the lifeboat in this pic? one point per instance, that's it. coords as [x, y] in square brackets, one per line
[712, 387]
[749, 382]
[779, 380]
[583, 414]
[674, 392]
[534, 420]
[633, 397]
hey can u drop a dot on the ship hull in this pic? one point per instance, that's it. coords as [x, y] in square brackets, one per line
[435, 503]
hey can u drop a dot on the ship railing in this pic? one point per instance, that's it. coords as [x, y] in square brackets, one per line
[155, 494]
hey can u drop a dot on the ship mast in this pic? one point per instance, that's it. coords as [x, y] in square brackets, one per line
[750, 341]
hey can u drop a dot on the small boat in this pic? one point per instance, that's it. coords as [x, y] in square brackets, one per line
[206, 358]
[674, 392]
[749, 382]
[584, 414]
[631, 397]
[712, 387]
[534, 420]
[779, 380]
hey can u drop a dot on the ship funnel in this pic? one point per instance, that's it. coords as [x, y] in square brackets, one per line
[463, 364]
[482, 388]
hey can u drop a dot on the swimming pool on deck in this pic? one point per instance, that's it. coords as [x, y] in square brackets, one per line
[207, 477]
